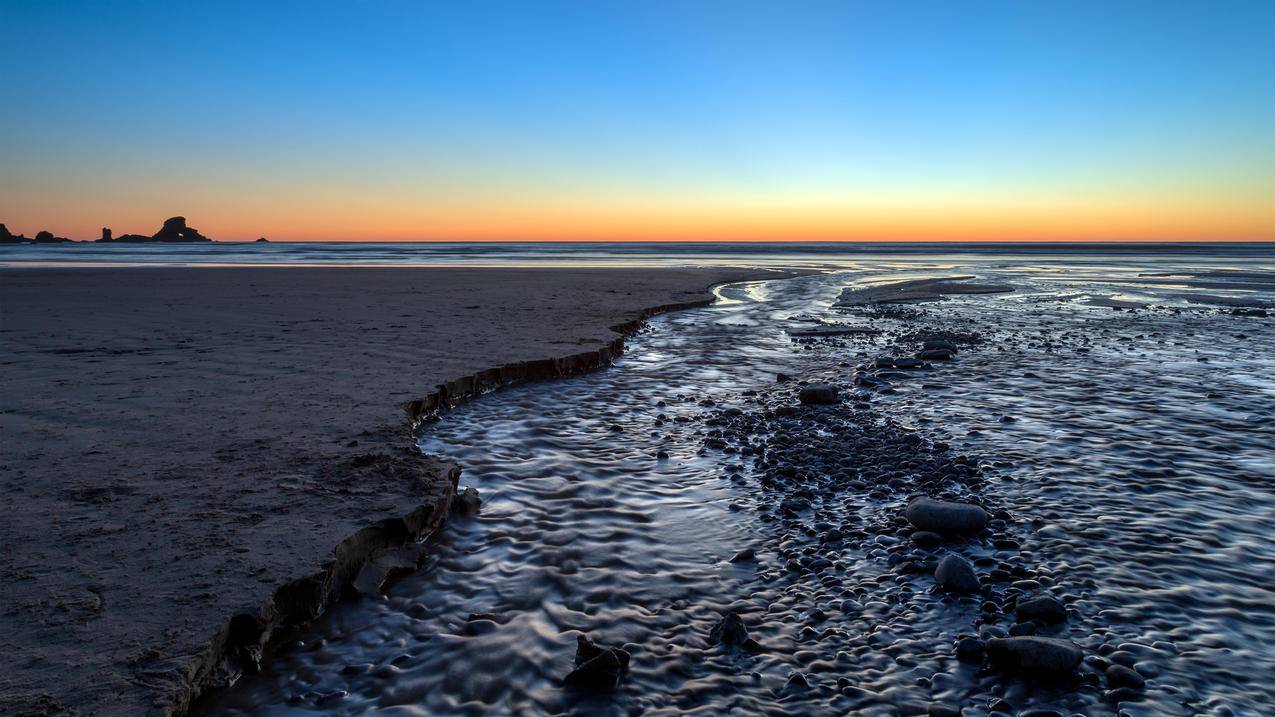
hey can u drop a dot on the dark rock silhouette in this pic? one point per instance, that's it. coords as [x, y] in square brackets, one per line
[46, 237]
[106, 234]
[174, 230]
[597, 668]
[262, 239]
[7, 238]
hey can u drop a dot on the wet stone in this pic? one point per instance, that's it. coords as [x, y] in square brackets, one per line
[946, 518]
[1042, 657]
[468, 502]
[969, 650]
[956, 574]
[819, 394]
[597, 668]
[1121, 676]
[1045, 608]
[731, 632]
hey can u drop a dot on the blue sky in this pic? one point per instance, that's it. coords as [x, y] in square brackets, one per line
[551, 119]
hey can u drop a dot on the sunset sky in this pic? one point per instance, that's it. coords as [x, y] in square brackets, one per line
[641, 120]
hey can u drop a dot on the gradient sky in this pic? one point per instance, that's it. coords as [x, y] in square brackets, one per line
[641, 120]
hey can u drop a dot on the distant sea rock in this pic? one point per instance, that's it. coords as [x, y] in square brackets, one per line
[174, 230]
[262, 239]
[7, 238]
[46, 237]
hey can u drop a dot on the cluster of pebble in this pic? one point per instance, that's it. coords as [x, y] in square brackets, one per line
[835, 474]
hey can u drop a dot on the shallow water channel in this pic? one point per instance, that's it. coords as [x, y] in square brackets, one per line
[1134, 450]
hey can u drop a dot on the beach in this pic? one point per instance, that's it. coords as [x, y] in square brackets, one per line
[1029, 481]
[182, 443]
[1033, 485]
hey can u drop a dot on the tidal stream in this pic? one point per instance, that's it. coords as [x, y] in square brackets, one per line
[1121, 435]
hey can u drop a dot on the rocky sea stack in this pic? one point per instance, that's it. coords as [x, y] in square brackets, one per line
[47, 237]
[174, 230]
[7, 238]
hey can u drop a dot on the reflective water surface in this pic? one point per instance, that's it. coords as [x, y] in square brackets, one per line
[1126, 452]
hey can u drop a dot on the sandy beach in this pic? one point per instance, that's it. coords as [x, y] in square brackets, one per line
[180, 444]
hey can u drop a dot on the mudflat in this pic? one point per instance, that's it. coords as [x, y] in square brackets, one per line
[179, 443]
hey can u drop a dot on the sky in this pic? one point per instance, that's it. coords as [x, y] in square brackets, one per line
[652, 120]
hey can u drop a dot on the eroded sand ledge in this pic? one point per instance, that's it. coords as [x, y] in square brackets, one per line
[185, 448]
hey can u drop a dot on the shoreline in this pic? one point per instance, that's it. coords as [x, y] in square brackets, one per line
[385, 453]
[392, 546]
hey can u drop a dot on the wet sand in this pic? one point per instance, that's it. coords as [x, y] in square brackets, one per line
[180, 443]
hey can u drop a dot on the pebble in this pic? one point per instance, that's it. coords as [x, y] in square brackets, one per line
[819, 394]
[945, 518]
[1121, 676]
[597, 668]
[468, 501]
[1045, 608]
[956, 574]
[1035, 656]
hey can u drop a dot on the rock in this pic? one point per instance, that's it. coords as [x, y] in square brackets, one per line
[819, 394]
[468, 501]
[955, 574]
[939, 345]
[945, 518]
[1045, 608]
[731, 632]
[935, 355]
[745, 555]
[7, 238]
[1022, 628]
[106, 234]
[941, 710]
[261, 240]
[1121, 676]
[175, 230]
[797, 682]
[46, 237]
[969, 650]
[597, 668]
[1043, 657]
[908, 363]
[926, 539]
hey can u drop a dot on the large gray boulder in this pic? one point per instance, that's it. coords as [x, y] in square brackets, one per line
[945, 518]
[1043, 657]
[955, 574]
